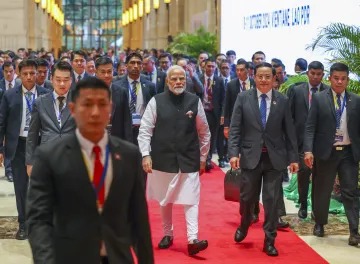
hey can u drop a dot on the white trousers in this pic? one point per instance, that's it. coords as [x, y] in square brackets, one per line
[191, 216]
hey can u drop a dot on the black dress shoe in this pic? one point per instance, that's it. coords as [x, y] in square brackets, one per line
[240, 235]
[21, 234]
[227, 160]
[354, 239]
[221, 164]
[254, 218]
[302, 213]
[270, 250]
[197, 246]
[282, 224]
[165, 242]
[318, 230]
[10, 178]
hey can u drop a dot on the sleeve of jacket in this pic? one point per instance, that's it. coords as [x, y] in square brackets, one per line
[310, 125]
[290, 135]
[4, 112]
[198, 86]
[226, 111]
[39, 210]
[222, 95]
[291, 95]
[139, 215]
[234, 141]
[33, 134]
[127, 116]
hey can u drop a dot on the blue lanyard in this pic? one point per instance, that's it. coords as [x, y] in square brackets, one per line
[60, 112]
[133, 96]
[103, 175]
[29, 106]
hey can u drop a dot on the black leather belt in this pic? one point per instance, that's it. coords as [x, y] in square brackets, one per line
[23, 138]
[341, 147]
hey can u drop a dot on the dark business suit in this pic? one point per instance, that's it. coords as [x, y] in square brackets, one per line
[160, 81]
[264, 154]
[64, 223]
[299, 105]
[343, 160]
[148, 91]
[213, 116]
[121, 122]
[44, 125]
[11, 111]
[74, 80]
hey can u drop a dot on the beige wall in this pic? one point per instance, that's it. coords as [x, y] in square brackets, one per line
[23, 25]
[185, 16]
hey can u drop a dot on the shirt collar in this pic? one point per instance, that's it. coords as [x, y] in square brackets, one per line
[56, 95]
[334, 94]
[131, 80]
[227, 78]
[87, 146]
[12, 82]
[317, 86]
[82, 75]
[33, 90]
[246, 81]
[269, 93]
[207, 77]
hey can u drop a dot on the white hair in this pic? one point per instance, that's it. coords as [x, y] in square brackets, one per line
[174, 68]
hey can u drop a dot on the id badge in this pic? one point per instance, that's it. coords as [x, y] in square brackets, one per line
[136, 119]
[339, 135]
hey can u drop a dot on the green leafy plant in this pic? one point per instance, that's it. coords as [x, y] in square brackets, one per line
[193, 44]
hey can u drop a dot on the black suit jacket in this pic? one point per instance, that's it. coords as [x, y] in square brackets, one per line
[321, 124]
[218, 94]
[45, 126]
[299, 105]
[160, 80]
[232, 91]
[248, 137]
[74, 81]
[121, 118]
[11, 111]
[64, 224]
[3, 84]
[147, 87]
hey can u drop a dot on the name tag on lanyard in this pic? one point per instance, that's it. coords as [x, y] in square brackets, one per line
[30, 108]
[339, 133]
[136, 117]
[58, 116]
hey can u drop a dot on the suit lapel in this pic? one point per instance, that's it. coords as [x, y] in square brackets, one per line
[273, 106]
[255, 105]
[114, 95]
[306, 95]
[49, 108]
[350, 104]
[19, 100]
[65, 113]
[330, 99]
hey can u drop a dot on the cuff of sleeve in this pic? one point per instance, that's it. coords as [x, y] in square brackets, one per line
[145, 153]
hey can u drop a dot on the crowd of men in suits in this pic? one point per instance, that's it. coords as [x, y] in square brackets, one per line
[315, 126]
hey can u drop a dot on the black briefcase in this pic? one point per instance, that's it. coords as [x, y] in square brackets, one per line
[232, 185]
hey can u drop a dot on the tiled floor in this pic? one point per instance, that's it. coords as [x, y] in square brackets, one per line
[333, 248]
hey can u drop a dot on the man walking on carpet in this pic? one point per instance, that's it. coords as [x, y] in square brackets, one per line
[174, 140]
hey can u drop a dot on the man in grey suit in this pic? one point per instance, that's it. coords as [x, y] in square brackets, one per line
[300, 97]
[193, 83]
[50, 118]
[263, 135]
[155, 76]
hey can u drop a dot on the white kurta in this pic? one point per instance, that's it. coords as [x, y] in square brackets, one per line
[177, 188]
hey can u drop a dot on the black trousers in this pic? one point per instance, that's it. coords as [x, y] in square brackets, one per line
[21, 179]
[221, 145]
[340, 162]
[303, 182]
[105, 260]
[249, 194]
[135, 133]
[213, 123]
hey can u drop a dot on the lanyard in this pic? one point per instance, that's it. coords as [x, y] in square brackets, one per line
[133, 96]
[60, 111]
[29, 106]
[103, 174]
[342, 107]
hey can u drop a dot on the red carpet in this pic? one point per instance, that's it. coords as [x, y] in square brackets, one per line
[217, 223]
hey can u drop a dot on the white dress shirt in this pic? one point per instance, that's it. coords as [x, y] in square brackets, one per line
[148, 123]
[268, 101]
[7, 84]
[89, 158]
[343, 122]
[139, 97]
[76, 76]
[24, 133]
[57, 104]
[247, 84]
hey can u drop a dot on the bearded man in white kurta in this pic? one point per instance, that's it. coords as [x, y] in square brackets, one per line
[174, 140]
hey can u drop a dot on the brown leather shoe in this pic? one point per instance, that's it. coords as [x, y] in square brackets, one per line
[197, 246]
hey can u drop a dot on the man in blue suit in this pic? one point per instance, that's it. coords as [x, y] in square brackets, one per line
[15, 115]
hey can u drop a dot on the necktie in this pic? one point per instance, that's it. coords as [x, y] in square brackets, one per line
[313, 91]
[133, 97]
[61, 102]
[209, 83]
[79, 78]
[338, 110]
[29, 96]
[10, 86]
[98, 171]
[244, 86]
[263, 110]
[226, 82]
